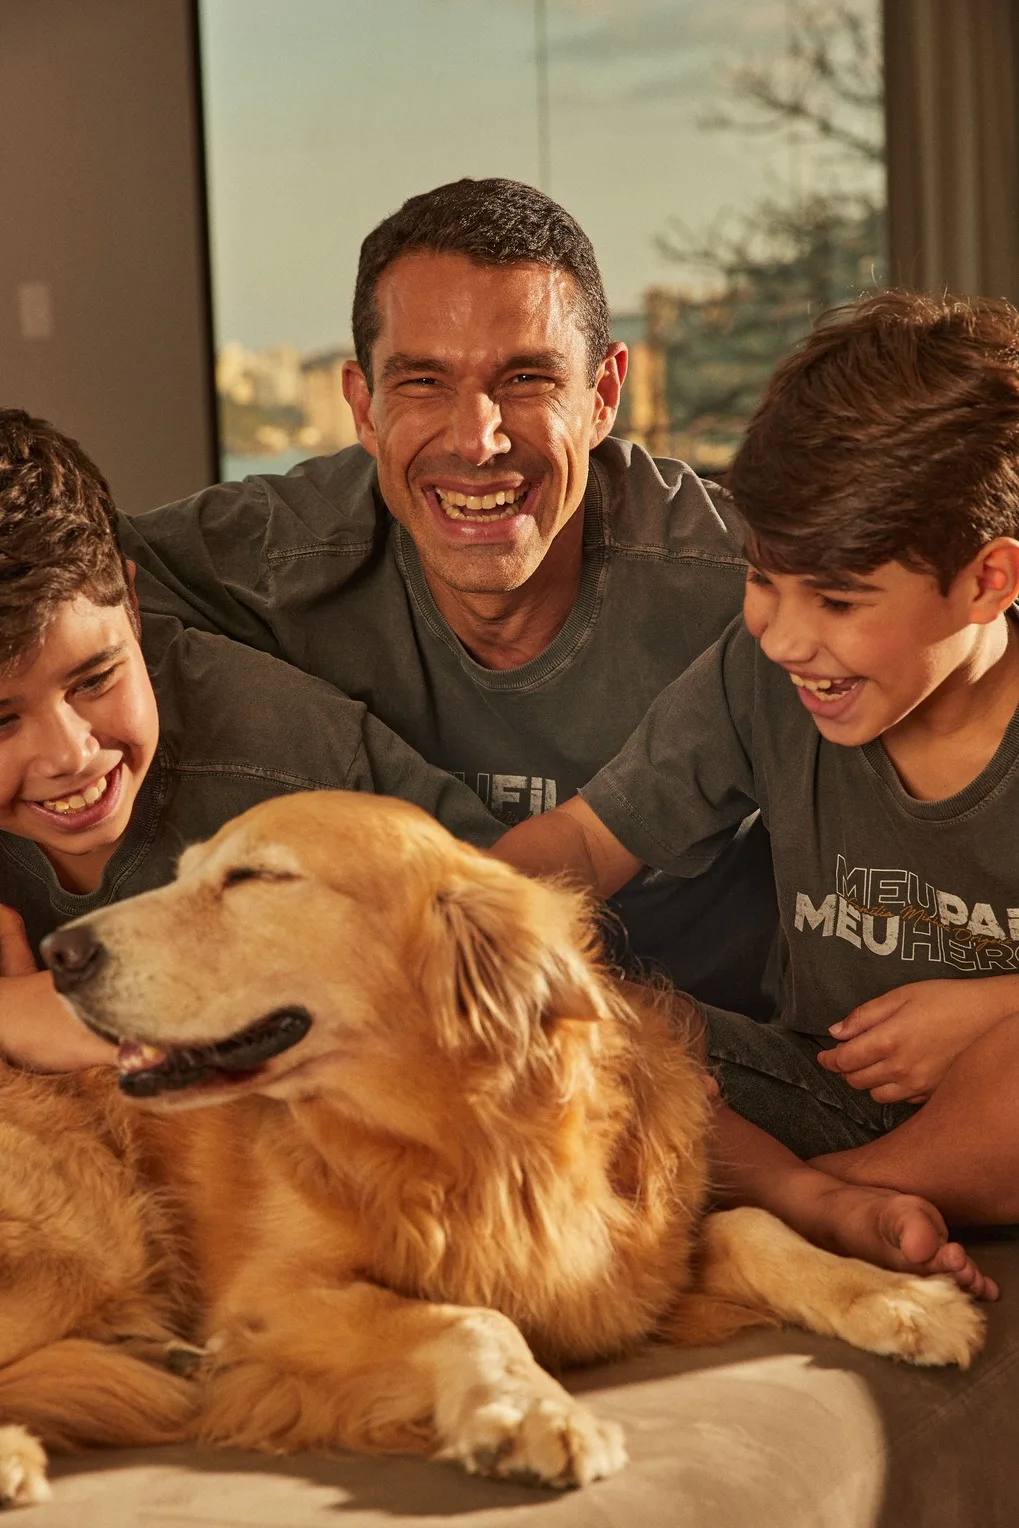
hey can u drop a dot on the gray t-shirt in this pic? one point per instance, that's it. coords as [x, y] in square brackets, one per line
[235, 727]
[312, 567]
[875, 888]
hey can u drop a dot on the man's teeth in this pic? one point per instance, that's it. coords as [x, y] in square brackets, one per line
[822, 688]
[75, 803]
[469, 506]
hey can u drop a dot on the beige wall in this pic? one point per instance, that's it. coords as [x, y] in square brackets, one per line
[101, 234]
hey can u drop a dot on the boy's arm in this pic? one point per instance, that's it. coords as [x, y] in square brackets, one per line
[38, 1032]
[36, 1029]
[573, 841]
[673, 796]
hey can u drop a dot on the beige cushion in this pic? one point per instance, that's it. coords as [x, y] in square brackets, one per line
[775, 1430]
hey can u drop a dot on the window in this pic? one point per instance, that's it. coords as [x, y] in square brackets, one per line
[731, 179]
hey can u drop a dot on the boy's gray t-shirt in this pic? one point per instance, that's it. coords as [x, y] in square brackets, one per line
[875, 888]
[312, 567]
[236, 727]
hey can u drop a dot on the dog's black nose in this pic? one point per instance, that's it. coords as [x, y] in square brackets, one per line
[74, 955]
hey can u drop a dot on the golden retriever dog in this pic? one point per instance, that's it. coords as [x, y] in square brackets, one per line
[387, 1142]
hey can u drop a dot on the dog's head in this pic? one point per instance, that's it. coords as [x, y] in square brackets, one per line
[336, 943]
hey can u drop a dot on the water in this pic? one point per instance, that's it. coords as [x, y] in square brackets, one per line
[236, 467]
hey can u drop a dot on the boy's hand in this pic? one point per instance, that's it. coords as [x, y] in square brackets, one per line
[36, 1030]
[899, 1046]
[16, 958]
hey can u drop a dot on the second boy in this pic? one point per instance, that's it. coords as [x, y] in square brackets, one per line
[869, 707]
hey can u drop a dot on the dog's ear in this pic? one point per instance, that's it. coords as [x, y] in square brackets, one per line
[505, 956]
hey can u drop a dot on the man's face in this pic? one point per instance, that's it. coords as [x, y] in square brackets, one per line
[863, 653]
[78, 731]
[482, 414]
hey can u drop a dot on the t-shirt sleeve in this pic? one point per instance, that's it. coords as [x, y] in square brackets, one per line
[353, 750]
[247, 559]
[393, 768]
[683, 782]
[228, 710]
[202, 560]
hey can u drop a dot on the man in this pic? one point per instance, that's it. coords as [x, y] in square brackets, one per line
[499, 581]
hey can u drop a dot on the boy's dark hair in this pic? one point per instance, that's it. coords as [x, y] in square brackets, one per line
[890, 435]
[58, 532]
[492, 222]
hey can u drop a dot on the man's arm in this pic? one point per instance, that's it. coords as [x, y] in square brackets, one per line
[202, 561]
[390, 767]
[240, 558]
[223, 704]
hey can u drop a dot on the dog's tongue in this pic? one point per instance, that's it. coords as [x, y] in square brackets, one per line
[132, 1057]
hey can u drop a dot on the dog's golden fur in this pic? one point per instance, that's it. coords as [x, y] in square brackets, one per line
[485, 1153]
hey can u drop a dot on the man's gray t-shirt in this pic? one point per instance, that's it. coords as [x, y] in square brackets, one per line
[235, 727]
[875, 888]
[312, 567]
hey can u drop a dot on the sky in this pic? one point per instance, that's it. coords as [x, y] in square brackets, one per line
[323, 115]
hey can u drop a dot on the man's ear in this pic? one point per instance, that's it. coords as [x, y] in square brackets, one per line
[358, 395]
[608, 385]
[995, 571]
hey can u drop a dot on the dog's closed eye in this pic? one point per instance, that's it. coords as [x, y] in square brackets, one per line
[239, 873]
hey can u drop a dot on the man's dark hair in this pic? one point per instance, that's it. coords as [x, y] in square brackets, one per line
[58, 532]
[492, 222]
[890, 435]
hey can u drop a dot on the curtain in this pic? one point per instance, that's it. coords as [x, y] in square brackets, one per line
[952, 109]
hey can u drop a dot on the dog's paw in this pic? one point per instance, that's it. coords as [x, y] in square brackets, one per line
[23, 1480]
[553, 1441]
[498, 1412]
[923, 1320]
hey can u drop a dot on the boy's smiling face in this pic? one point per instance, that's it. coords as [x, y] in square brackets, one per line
[866, 652]
[78, 731]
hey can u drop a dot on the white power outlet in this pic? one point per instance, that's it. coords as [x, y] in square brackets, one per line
[35, 309]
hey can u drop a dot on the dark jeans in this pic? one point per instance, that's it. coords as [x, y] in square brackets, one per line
[771, 1076]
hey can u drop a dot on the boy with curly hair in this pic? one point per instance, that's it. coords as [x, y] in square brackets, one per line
[122, 740]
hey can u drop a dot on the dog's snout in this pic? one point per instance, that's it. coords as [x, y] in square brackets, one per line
[74, 955]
